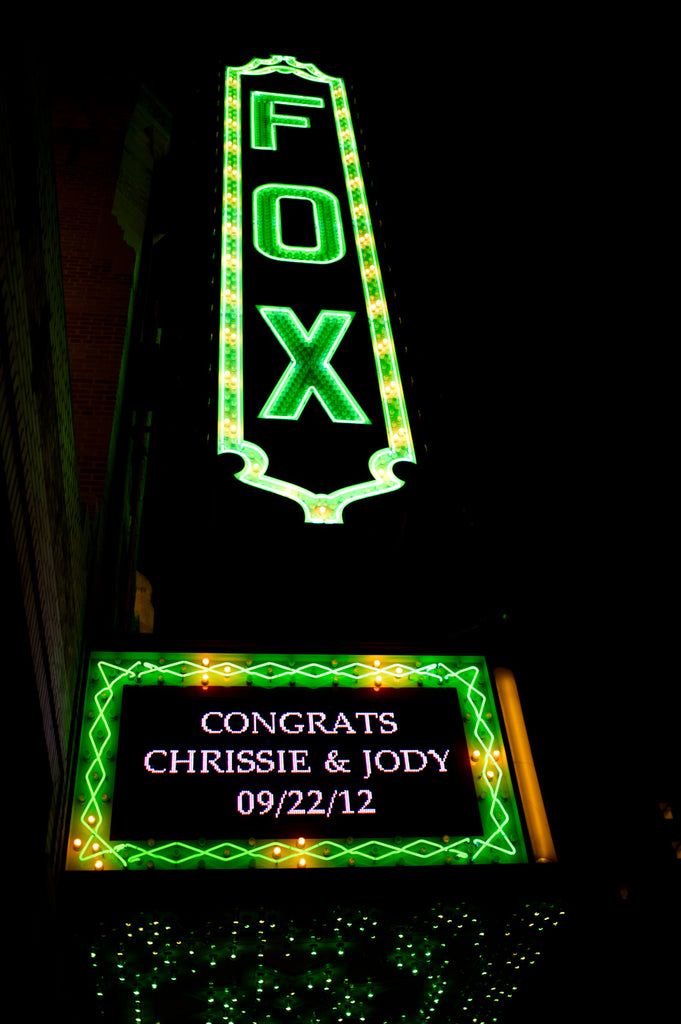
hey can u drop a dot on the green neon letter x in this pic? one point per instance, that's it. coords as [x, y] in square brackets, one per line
[264, 118]
[310, 370]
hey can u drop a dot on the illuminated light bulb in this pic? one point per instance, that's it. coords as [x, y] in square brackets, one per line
[276, 852]
[99, 864]
[301, 841]
[301, 862]
[95, 847]
[475, 755]
[77, 843]
[377, 663]
[91, 819]
[489, 773]
[496, 754]
[205, 661]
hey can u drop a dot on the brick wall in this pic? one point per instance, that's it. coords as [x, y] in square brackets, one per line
[46, 542]
[98, 270]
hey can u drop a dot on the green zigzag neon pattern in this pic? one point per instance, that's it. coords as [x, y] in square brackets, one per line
[89, 844]
[318, 508]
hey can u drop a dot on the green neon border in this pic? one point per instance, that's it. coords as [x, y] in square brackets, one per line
[318, 508]
[501, 840]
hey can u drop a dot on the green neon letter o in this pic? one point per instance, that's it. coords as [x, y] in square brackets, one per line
[267, 229]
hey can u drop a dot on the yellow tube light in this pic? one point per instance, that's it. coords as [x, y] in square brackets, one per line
[526, 773]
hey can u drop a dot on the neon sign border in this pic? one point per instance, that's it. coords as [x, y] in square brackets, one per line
[318, 508]
[89, 845]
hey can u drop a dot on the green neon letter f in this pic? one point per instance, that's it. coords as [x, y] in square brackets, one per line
[264, 118]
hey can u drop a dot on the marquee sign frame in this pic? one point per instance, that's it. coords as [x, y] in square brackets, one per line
[91, 847]
[273, 109]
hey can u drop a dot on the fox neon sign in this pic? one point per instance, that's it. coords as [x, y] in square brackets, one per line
[297, 244]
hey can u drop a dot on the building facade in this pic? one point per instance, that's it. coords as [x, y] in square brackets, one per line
[124, 530]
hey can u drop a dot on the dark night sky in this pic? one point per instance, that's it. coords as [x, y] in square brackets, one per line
[528, 282]
[518, 291]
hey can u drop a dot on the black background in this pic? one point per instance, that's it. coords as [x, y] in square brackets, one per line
[537, 525]
[195, 806]
[546, 395]
[487, 547]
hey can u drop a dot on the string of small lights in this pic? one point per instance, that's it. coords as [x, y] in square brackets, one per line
[318, 508]
[462, 962]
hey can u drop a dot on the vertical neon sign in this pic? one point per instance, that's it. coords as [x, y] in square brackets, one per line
[306, 346]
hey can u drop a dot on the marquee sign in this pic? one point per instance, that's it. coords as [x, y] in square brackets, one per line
[233, 760]
[310, 394]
